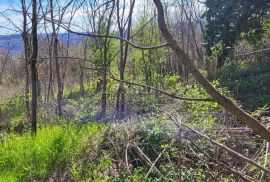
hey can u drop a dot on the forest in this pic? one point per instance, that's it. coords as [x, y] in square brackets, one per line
[134, 90]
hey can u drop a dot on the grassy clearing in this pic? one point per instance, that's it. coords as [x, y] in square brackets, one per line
[24, 158]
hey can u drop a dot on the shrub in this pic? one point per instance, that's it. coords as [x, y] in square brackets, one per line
[12, 113]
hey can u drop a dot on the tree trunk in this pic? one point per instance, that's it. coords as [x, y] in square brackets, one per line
[105, 66]
[231, 107]
[221, 58]
[50, 82]
[81, 71]
[82, 90]
[120, 99]
[59, 83]
[33, 67]
[58, 109]
[27, 50]
[26, 90]
[104, 94]
[4, 64]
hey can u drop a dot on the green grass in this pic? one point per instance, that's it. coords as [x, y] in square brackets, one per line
[27, 158]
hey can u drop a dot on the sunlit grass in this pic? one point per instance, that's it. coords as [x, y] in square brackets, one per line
[26, 158]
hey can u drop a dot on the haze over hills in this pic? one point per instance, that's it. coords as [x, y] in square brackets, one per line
[15, 42]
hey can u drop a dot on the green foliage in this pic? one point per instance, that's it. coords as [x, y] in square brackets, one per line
[174, 173]
[229, 21]
[27, 158]
[201, 113]
[171, 81]
[94, 168]
[250, 83]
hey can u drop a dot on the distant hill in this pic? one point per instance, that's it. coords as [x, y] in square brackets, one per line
[16, 42]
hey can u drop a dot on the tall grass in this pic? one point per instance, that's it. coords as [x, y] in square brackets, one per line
[27, 158]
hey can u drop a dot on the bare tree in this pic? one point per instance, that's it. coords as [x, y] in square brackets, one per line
[123, 31]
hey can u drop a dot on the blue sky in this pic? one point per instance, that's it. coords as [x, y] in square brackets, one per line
[16, 18]
[79, 20]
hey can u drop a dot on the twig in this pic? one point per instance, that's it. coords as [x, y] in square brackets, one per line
[204, 161]
[253, 52]
[243, 176]
[229, 150]
[126, 154]
[265, 159]
[88, 34]
[171, 164]
[223, 146]
[254, 157]
[148, 161]
[126, 158]
[154, 164]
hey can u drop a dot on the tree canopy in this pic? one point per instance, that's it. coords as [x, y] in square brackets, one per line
[229, 21]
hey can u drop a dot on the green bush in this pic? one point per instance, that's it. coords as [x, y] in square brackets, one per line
[12, 113]
[248, 81]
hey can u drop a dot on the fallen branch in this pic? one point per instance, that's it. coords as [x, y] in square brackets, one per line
[228, 149]
[265, 159]
[254, 157]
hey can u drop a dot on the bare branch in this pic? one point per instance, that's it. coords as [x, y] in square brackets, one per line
[163, 92]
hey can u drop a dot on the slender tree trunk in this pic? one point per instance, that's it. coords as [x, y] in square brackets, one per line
[221, 58]
[27, 90]
[66, 61]
[57, 64]
[27, 50]
[4, 64]
[120, 98]
[50, 81]
[104, 94]
[82, 89]
[105, 66]
[59, 83]
[38, 86]
[231, 107]
[33, 67]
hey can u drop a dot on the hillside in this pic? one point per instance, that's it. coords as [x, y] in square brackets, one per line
[15, 41]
